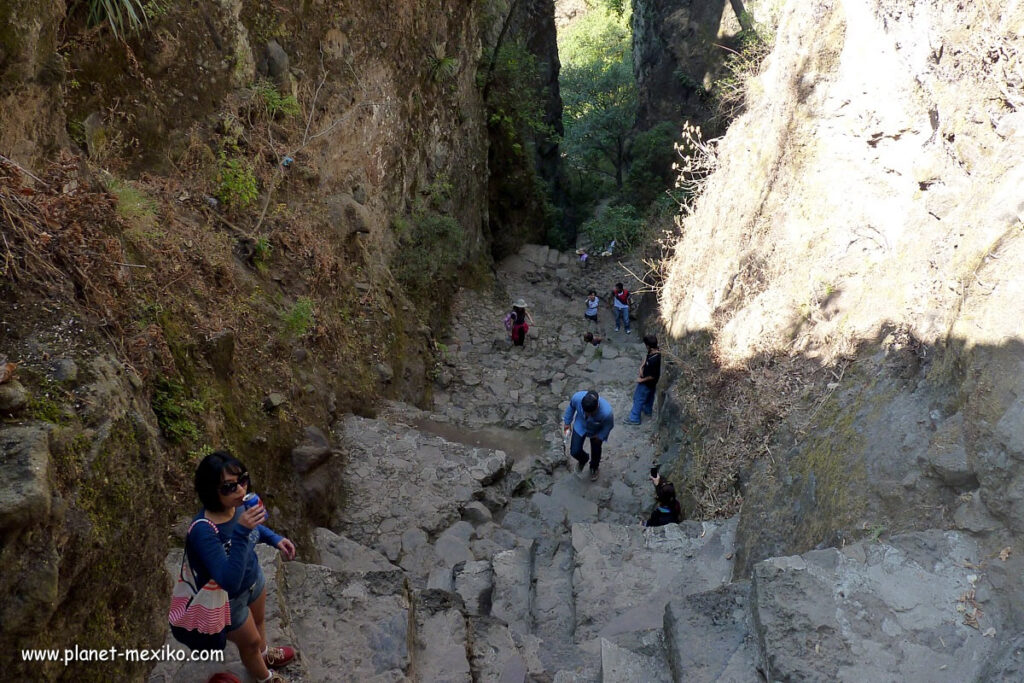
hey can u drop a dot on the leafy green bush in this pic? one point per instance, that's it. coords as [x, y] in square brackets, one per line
[272, 102]
[650, 171]
[299, 318]
[431, 247]
[623, 224]
[174, 410]
[237, 182]
[514, 99]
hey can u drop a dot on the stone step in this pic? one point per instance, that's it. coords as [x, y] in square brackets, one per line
[619, 665]
[710, 636]
[912, 609]
[625, 575]
[349, 624]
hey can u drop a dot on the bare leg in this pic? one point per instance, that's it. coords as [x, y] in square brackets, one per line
[258, 610]
[248, 639]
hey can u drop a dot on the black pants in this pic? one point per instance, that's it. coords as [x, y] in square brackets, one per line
[576, 450]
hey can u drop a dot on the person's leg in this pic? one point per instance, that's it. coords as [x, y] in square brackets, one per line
[625, 317]
[258, 610]
[576, 449]
[648, 406]
[595, 453]
[639, 397]
[247, 639]
[618, 319]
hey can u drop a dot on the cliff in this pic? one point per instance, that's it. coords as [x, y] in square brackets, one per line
[850, 268]
[226, 231]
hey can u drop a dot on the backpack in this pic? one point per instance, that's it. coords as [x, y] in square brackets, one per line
[509, 321]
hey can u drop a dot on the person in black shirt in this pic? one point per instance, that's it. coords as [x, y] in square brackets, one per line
[667, 510]
[646, 381]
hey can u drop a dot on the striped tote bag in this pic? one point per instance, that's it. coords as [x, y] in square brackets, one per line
[199, 615]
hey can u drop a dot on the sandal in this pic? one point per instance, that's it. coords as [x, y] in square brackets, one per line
[276, 657]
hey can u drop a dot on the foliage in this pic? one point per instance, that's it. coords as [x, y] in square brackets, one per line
[441, 67]
[299, 319]
[651, 164]
[623, 223]
[514, 97]
[237, 182]
[431, 248]
[600, 98]
[123, 15]
[272, 102]
[262, 249]
[174, 410]
[132, 204]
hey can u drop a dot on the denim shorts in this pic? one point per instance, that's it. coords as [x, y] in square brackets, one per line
[240, 603]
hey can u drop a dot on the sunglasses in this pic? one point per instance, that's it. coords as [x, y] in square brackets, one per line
[229, 487]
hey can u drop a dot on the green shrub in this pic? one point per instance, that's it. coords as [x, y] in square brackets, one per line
[620, 223]
[237, 183]
[174, 410]
[273, 103]
[299, 319]
[650, 170]
[261, 251]
[430, 251]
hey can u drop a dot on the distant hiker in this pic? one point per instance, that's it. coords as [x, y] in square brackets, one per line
[667, 510]
[591, 338]
[589, 417]
[591, 303]
[646, 381]
[518, 322]
[584, 257]
[620, 304]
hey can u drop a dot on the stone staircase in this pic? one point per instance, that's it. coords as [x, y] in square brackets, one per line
[481, 556]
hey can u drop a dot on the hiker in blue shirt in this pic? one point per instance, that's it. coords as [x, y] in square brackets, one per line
[223, 549]
[588, 416]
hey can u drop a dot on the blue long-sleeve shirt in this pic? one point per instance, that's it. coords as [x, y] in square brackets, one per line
[228, 555]
[598, 425]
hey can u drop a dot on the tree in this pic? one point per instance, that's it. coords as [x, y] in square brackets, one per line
[599, 96]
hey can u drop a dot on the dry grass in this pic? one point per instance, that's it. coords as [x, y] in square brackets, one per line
[734, 414]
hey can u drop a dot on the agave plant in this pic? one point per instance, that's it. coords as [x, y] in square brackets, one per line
[122, 15]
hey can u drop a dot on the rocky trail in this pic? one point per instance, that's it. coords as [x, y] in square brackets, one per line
[467, 549]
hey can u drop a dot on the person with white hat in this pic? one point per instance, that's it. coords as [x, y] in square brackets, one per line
[518, 322]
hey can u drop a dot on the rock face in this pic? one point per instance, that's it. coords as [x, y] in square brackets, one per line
[673, 57]
[886, 239]
[904, 610]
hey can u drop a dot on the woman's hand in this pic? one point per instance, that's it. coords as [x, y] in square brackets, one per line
[253, 517]
[287, 549]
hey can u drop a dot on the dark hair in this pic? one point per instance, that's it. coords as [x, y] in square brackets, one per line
[618, 285]
[665, 492]
[519, 315]
[210, 473]
[588, 337]
[651, 341]
[591, 292]
[589, 402]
